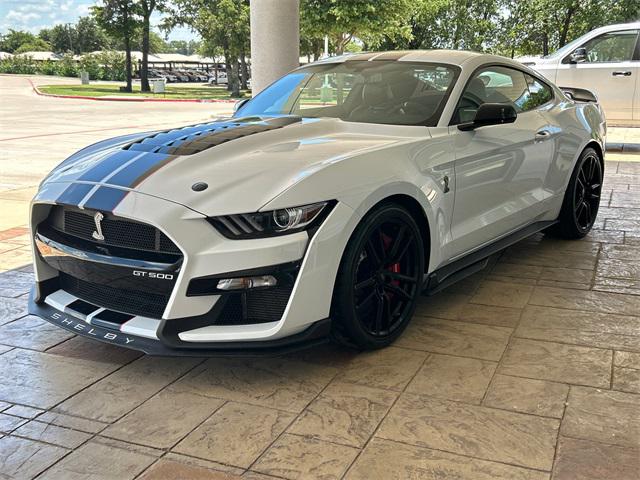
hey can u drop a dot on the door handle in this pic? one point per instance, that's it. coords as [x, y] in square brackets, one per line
[542, 135]
[626, 73]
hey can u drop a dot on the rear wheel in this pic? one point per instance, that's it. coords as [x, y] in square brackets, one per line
[379, 280]
[581, 199]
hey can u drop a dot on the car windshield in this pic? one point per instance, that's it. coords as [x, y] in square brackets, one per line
[388, 92]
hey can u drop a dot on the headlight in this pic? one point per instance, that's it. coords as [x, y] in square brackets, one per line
[271, 223]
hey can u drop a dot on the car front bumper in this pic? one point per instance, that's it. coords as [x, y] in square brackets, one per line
[190, 323]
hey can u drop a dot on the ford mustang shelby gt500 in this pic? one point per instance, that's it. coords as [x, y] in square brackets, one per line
[323, 208]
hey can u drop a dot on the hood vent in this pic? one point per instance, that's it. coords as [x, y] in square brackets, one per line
[195, 139]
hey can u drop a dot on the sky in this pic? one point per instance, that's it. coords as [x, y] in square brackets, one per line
[33, 15]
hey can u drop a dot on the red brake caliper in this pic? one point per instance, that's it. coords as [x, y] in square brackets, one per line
[395, 268]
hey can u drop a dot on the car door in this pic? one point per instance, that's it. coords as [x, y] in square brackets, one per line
[500, 169]
[609, 68]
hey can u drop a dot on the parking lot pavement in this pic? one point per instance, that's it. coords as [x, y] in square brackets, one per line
[527, 370]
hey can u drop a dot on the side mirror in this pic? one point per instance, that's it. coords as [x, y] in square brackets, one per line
[491, 114]
[578, 55]
[239, 104]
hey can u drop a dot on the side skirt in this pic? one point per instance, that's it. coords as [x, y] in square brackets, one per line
[455, 271]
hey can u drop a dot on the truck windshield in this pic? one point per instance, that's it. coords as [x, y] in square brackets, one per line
[387, 92]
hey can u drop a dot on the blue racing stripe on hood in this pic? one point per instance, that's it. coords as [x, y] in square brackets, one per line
[74, 194]
[129, 176]
[105, 199]
[107, 165]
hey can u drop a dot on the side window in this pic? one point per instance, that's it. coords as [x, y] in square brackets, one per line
[539, 93]
[612, 47]
[492, 85]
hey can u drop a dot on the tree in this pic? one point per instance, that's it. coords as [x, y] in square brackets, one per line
[117, 18]
[222, 24]
[13, 40]
[146, 8]
[35, 45]
[344, 20]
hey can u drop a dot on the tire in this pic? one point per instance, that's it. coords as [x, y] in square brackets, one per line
[581, 199]
[379, 279]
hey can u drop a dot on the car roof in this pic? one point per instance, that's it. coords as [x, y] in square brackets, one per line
[451, 57]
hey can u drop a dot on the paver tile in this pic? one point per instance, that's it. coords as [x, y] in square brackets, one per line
[236, 434]
[42, 380]
[626, 379]
[455, 338]
[119, 393]
[9, 423]
[281, 383]
[14, 283]
[603, 416]
[471, 430]
[537, 397]
[170, 470]
[24, 459]
[33, 333]
[453, 378]
[385, 459]
[97, 459]
[75, 423]
[12, 309]
[49, 433]
[502, 295]
[584, 460]
[558, 362]
[585, 300]
[293, 457]
[155, 422]
[602, 330]
[490, 315]
[344, 413]
[390, 368]
[83, 349]
[23, 411]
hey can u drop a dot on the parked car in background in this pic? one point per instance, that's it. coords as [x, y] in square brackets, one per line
[221, 79]
[605, 61]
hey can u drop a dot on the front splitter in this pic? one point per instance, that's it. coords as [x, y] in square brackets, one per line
[316, 334]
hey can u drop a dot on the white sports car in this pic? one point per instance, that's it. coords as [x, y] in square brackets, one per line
[322, 209]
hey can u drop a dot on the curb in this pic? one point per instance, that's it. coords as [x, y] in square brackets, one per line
[132, 99]
[622, 147]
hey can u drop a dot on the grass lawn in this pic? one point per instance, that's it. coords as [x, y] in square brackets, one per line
[100, 90]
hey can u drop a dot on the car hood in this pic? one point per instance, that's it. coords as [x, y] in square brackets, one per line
[239, 164]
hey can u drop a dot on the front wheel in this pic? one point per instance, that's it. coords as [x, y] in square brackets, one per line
[379, 280]
[582, 198]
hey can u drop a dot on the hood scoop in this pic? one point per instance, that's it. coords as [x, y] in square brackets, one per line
[197, 138]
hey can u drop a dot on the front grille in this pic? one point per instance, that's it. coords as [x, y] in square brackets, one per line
[126, 301]
[255, 306]
[118, 232]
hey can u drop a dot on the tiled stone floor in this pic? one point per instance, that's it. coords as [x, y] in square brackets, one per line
[528, 370]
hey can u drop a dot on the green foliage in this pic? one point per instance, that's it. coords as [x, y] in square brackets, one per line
[18, 65]
[13, 40]
[85, 36]
[107, 65]
[35, 45]
[342, 21]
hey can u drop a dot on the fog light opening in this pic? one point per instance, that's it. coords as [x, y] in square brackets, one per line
[244, 283]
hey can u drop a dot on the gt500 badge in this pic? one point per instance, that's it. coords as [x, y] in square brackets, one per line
[159, 276]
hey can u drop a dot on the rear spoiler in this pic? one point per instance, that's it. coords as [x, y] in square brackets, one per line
[579, 94]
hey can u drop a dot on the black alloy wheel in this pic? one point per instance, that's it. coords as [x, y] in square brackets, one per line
[380, 278]
[586, 197]
[581, 199]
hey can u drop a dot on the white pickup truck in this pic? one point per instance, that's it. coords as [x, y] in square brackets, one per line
[605, 61]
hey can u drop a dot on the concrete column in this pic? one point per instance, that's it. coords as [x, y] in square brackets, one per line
[275, 40]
